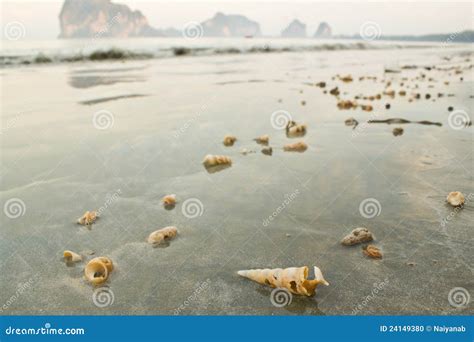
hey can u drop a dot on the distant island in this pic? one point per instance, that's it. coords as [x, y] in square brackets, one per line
[105, 19]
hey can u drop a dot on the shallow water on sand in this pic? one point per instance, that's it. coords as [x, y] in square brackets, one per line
[164, 116]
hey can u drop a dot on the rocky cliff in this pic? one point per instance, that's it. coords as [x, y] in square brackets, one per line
[323, 31]
[296, 29]
[102, 18]
[222, 25]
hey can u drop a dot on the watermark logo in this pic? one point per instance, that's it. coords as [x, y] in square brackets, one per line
[281, 297]
[14, 208]
[279, 119]
[193, 30]
[370, 31]
[103, 119]
[377, 287]
[458, 119]
[370, 208]
[14, 30]
[194, 296]
[103, 297]
[459, 297]
[286, 202]
[192, 208]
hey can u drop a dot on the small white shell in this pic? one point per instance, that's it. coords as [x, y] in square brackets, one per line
[70, 256]
[162, 235]
[456, 198]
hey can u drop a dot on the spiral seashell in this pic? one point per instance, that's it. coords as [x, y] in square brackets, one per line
[294, 279]
[88, 218]
[263, 140]
[456, 198]
[98, 270]
[229, 140]
[71, 257]
[169, 200]
[296, 147]
[214, 160]
[162, 235]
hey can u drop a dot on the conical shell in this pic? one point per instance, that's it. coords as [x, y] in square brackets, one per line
[296, 147]
[162, 235]
[70, 256]
[214, 160]
[264, 139]
[229, 140]
[98, 270]
[294, 279]
[169, 200]
[455, 198]
[88, 218]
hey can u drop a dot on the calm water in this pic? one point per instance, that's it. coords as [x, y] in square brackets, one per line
[162, 116]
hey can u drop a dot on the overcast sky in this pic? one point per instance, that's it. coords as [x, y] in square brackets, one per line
[40, 17]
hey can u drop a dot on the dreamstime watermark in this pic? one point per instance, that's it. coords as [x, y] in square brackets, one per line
[459, 297]
[456, 210]
[46, 330]
[279, 119]
[193, 30]
[370, 31]
[281, 297]
[192, 208]
[10, 123]
[201, 287]
[103, 119]
[375, 291]
[107, 26]
[458, 119]
[14, 30]
[360, 128]
[14, 208]
[19, 291]
[288, 199]
[370, 208]
[190, 122]
[103, 297]
[111, 198]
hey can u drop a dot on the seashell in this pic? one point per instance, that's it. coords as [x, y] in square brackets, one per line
[346, 104]
[390, 93]
[372, 252]
[267, 151]
[346, 79]
[71, 257]
[295, 147]
[169, 201]
[214, 160]
[351, 122]
[162, 235]
[402, 93]
[456, 198]
[245, 151]
[335, 91]
[397, 131]
[294, 279]
[88, 218]
[98, 270]
[358, 235]
[367, 108]
[263, 139]
[229, 140]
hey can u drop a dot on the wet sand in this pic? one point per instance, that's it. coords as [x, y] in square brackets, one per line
[60, 165]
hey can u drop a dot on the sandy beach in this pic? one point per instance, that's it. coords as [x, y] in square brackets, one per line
[118, 135]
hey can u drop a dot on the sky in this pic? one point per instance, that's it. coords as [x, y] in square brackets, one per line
[40, 17]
